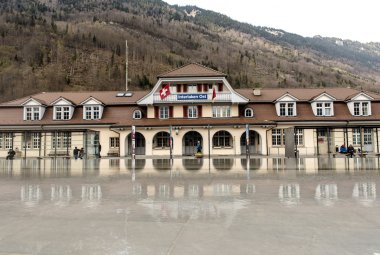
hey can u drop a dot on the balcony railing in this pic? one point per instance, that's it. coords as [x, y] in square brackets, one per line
[193, 97]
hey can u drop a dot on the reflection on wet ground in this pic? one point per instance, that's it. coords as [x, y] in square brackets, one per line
[187, 206]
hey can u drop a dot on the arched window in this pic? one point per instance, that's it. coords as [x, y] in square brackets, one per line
[222, 139]
[248, 112]
[137, 114]
[161, 140]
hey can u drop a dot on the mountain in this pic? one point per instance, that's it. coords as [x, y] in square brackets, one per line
[58, 45]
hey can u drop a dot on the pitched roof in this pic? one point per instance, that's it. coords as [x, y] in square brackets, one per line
[192, 70]
[107, 97]
[303, 94]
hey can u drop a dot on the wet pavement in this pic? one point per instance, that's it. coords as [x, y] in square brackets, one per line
[190, 206]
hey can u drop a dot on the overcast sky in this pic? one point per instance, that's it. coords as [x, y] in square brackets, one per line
[346, 19]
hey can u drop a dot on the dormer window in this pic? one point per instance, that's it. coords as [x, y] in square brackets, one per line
[62, 112]
[323, 105]
[63, 109]
[92, 109]
[92, 112]
[137, 114]
[286, 109]
[361, 108]
[33, 109]
[286, 105]
[248, 112]
[324, 109]
[32, 113]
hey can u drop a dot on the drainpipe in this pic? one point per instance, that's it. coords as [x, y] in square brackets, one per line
[266, 139]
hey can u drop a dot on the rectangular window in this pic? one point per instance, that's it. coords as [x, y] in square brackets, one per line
[58, 112]
[298, 137]
[66, 112]
[356, 136]
[32, 113]
[61, 140]
[31, 140]
[277, 137]
[114, 142]
[324, 109]
[164, 112]
[282, 109]
[365, 108]
[8, 140]
[356, 109]
[1, 140]
[367, 136]
[221, 111]
[286, 109]
[92, 112]
[192, 111]
[192, 88]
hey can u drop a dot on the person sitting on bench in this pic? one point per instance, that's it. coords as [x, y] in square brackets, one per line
[11, 154]
[343, 149]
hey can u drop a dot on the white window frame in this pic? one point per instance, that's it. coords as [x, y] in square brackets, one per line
[223, 111]
[287, 108]
[248, 112]
[137, 114]
[6, 140]
[356, 139]
[31, 141]
[62, 112]
[278, 137]
[361, 108]
[91, 112]
[163, 112]
[192, 111]
[298, 137]
[323, 107]
[32, 112]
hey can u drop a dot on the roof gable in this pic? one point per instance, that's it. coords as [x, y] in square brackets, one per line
[62, 101]
[91, 101]
[360, 97]
[286, 98]
[33, 102]
[192, 70]
[323, 97]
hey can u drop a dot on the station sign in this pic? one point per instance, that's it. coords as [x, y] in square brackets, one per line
[192, 97]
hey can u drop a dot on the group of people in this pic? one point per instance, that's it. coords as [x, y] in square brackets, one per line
[350, 150]
[78, 153]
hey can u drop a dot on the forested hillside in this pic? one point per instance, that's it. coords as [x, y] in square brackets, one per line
[54, 45]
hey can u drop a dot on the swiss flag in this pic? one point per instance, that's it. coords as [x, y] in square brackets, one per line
[165, 91]
[213, 93]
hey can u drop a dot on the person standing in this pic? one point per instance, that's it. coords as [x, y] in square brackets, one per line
[76, 152]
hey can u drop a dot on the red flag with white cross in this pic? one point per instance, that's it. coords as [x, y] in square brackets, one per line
[165, 91]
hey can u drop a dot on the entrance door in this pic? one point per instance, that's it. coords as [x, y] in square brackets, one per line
[254, 143]
[367, 139]
[139, 144]
[190, 141]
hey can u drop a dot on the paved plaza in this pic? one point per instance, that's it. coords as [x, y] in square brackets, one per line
[190, 206]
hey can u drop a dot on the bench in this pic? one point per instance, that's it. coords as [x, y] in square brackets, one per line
[58, 154]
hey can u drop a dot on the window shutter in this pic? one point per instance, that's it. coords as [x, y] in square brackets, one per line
[170, 111]
[178, 88]
[156, 112]
[185, 111]
[220, 86]
[199, 87]
[199, 111]
[185, 88]
[205, 87]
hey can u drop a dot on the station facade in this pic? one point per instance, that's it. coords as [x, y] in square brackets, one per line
[188, 106]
